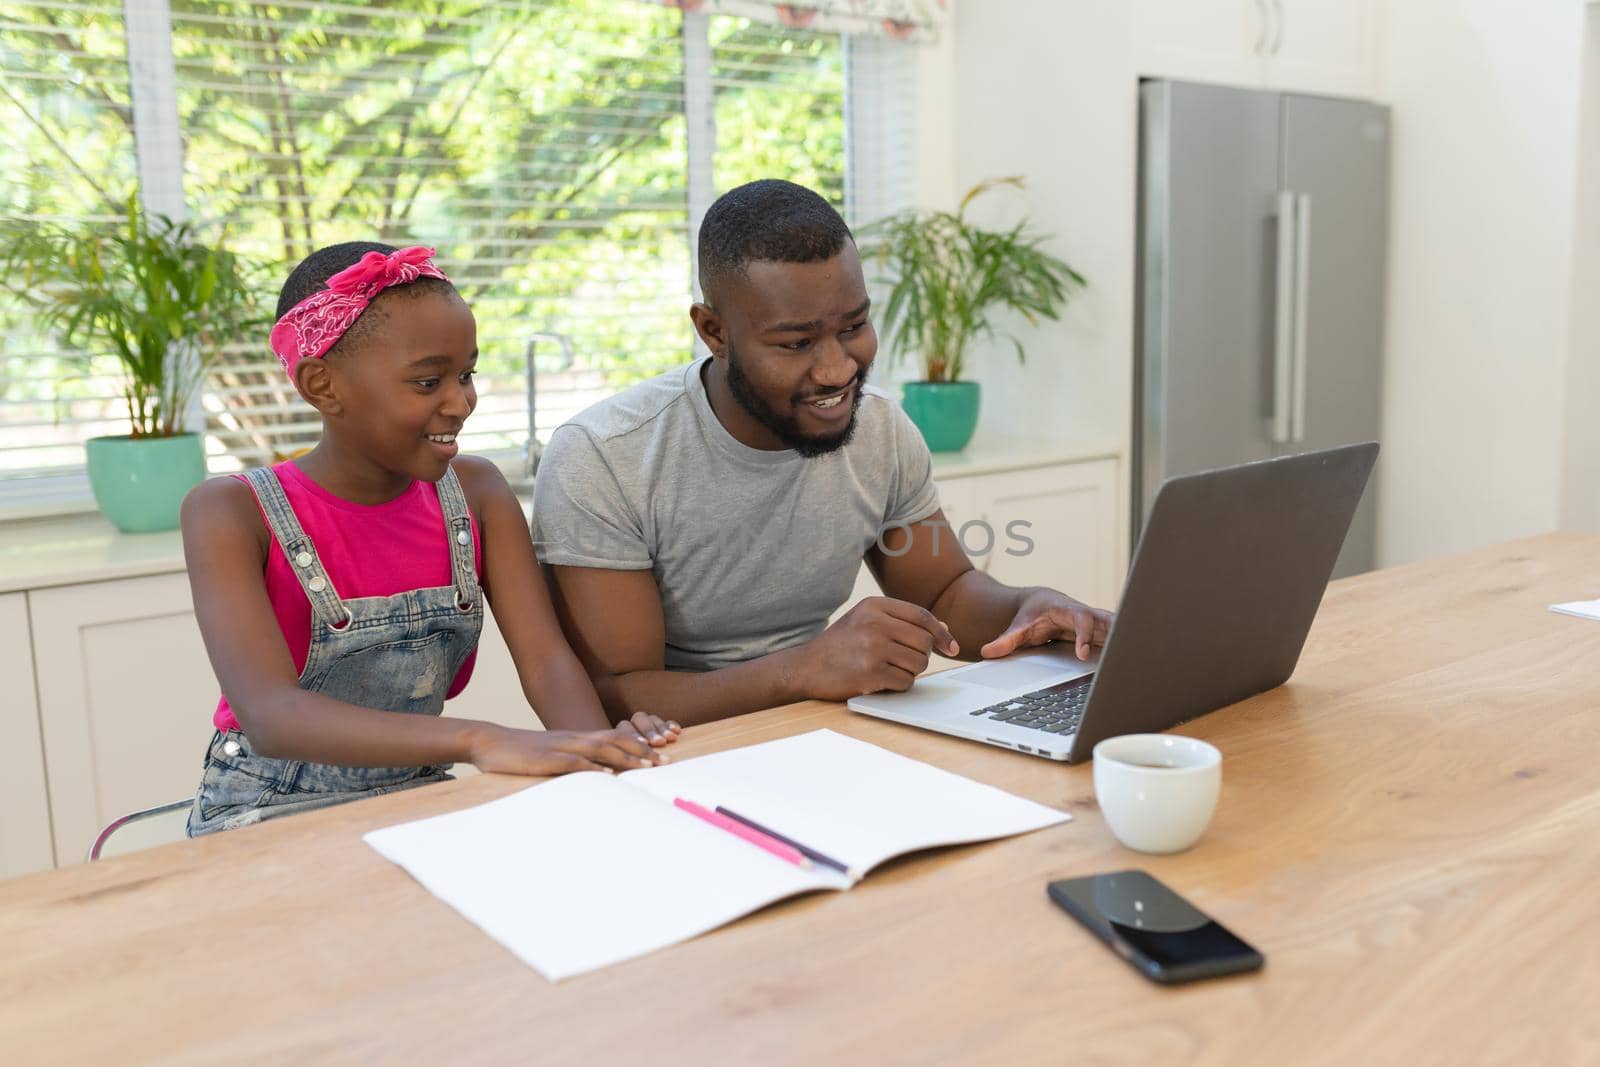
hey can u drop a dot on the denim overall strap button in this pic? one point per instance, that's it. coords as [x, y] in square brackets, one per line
[298, 549]
[397, 653]
[458, 524]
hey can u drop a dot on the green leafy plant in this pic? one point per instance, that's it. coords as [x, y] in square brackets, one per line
[149, 292]
[950, 277]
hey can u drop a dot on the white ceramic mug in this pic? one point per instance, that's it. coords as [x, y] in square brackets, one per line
[1157, 791]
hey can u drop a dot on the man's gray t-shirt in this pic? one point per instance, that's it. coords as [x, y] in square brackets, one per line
[752, 550]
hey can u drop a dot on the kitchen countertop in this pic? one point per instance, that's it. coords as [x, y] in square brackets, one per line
[992, 458]
[40, 553]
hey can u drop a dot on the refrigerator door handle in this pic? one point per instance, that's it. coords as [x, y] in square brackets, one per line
[1283, 323]
[1263, 21]
[1302, 299]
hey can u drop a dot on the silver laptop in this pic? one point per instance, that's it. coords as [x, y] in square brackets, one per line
[1224, 584]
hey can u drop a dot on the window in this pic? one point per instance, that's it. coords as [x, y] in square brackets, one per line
[541, 145]
[538, 146]
[64, 110]
[768, 85]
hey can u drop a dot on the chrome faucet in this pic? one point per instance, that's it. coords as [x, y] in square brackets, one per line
[530, 461]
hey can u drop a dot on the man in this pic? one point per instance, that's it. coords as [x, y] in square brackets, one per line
[702, 527]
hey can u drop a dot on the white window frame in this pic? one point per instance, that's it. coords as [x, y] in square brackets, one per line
[158, 151]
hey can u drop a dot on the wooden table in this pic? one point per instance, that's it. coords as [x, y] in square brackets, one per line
[1409, 830]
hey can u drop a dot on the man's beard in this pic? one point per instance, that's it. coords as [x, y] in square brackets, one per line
[785, 427]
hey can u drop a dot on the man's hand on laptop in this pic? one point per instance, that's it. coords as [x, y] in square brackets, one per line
[879, 644]
[1045, 616]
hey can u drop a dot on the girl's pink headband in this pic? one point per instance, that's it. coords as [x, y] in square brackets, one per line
[314, 325]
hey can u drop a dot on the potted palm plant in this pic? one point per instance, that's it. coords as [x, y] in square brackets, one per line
[949, 278]
[161, 301]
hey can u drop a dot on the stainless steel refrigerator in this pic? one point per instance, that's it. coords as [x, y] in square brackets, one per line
[1263, 221]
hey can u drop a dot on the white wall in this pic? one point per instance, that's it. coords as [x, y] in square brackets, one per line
[1485, 98]
[1047, 91]
[1580, 481]
[1492, 378]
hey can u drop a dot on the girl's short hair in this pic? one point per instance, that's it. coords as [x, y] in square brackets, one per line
[312, 275]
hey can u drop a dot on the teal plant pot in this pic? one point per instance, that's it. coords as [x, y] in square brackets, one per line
[945, 412]
[140, 482]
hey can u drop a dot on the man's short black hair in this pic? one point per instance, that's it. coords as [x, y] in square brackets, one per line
[312, 275]
[771, 220]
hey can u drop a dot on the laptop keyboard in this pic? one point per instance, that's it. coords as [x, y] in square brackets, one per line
[1056, 710]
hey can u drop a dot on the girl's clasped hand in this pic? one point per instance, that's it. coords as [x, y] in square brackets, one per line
[627, 746]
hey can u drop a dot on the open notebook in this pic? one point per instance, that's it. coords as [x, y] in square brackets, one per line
[591, 869]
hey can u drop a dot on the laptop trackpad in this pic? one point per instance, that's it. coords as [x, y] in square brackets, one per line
[1010, 674]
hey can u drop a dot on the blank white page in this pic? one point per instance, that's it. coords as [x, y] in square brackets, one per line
[583, 871]
[1583, 609]
[853, 801]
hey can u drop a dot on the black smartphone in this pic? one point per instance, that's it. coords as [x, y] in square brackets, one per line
[1163, 936]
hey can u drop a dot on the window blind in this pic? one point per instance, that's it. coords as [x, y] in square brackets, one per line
[538, 144]
[67, 126]
[779, 99]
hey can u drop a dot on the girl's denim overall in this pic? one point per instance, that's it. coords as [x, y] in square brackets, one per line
[398, 653]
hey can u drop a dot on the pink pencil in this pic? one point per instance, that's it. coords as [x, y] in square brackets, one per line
[755, 837]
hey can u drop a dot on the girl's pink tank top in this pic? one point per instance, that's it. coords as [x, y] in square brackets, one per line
[368, 550]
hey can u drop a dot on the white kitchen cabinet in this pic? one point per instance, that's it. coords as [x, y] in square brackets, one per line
[1325, 46]
[1221, 41]
[958, 497]
[1311, 46]
[25, 843]
[126, 696]
[1053, 526]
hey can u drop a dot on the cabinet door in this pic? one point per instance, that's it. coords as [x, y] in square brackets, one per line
[958, 497]
[25, 843]
[125, 700]
[1323, 46]
[1053, 526]
[958, 500]
[1202, 40]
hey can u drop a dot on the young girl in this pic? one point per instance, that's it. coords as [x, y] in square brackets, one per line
[341, 595]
